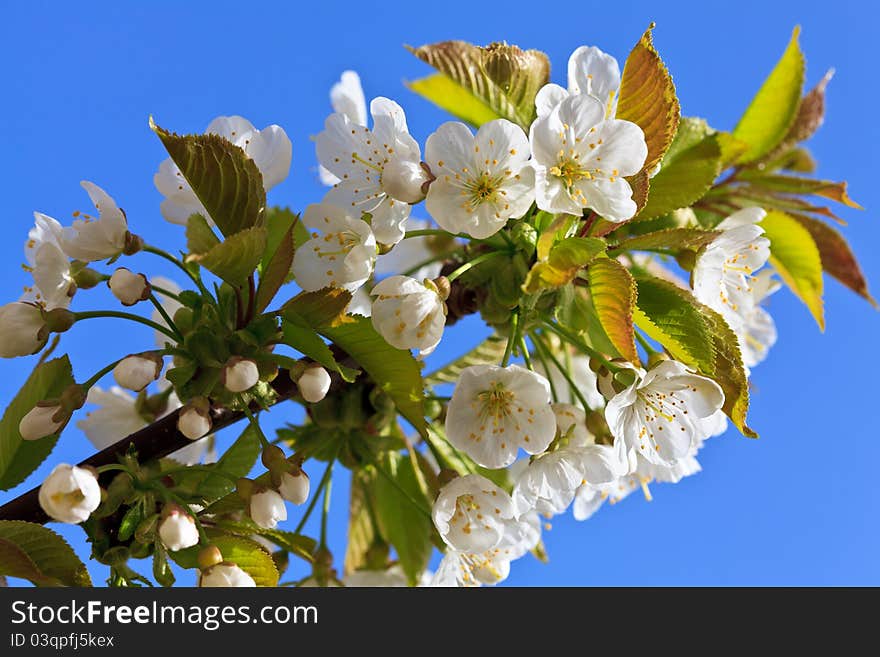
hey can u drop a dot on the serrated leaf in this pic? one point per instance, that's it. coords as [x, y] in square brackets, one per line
[671, 316]
[130, 521]
[38, 554]
[297, 544]
[647, 98]
[395, 371]
[227, 182]
[504, 77]
[361, 529]
[324, 308]
[306, 341]
[247, 554]
[836, 191]
[613, 293]
[838, 260]
[200, 237]
[402, 524]
[565, 259]
[449, 95]
[794, 254]
[237, 461]
[235, 258]
[276, 271]
[683, 179]
[669, 239]
[18, 458]
[810, 114]
[772, 111]
[489, 351]
[748, 194]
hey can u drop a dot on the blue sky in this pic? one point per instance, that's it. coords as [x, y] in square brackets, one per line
[798, 506]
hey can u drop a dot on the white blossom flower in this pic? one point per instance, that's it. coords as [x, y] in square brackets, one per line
[194, 420]
[409, 314]
[267, 508]
[269, 148]
[343, 256]
[170, 304]
[225, 574]
[294, 486]
[580, 159]
[129, 287]
[48, 264]
[177, 529]
[472, 514]
[22, 329]
[240, 374]
[137, 371]
[41, 421]
[101, 238]
[496, 410]
[758, 332]
[664, 413]
[346, 97]
[414, 256]
[70, 494]
[723, 272]
[481, 181]
[117, 416]
[313, 384]
[358, 156]
[360, 303]
[591, 72]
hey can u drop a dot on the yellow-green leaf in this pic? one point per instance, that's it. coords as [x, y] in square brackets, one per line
[772, 111]
[669, 239]
[565, 259]
[647, 98]
[235, 258]
[247, 554]
[318, 309]
[33, 552]
[449, 95]
[200, 237]
[613, 292]
[794, 254]
[361, 529]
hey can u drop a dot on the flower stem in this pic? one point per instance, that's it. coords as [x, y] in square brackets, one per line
[99, 374]
[511, 339]
[324, 479]
[546, 366]
[427, 232]
[325, 511]
[166, 316]
[255, 424]
[645, 344]
[93, 314]
[525, 352]
[177, 263]
[576, 342]
[473, 263]
[571, 384]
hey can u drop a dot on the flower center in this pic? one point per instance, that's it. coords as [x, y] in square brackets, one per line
[496, 401]
[482, 189]
[337, 244]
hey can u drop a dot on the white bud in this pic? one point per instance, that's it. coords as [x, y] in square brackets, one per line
[70, 494]
[267, 508]
[240, 374]
[193, 422]
[138, 371]
[128, 287]
[313, 384]
[225, 574]
[404, 179]
[21, 329]
[39, 422]
[178, 529]
[294, 487]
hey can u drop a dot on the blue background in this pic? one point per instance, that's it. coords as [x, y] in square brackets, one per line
[799, 506]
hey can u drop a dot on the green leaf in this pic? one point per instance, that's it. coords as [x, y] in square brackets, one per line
[18, 458]
[647, 98]
[489, 351]
[836, 191]
[302, 546]
[307, 342]
[236, 462]
[200, 237]
[613, 292]
[504, 78]
[683, 178]
[565, 259]
[449, 95]
[403, 525]
[838, 260]
[130, 521]
[161, 569]
[38, 554]
[324, 308]
[773, 109]
[395, 371]
[235, 258]
[672, 317]
[223, 177]
[276, 272]
[361, 528]
[247, 554]
[794, 254]
[670, 239]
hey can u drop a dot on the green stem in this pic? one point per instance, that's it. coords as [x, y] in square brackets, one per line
[112, 466]
[166, 316]
[546, 367]
[99, 374]
[525, 352]
[324, 479]
[197, 468]
[165, 292]
[94, 314]
[325, 511]
[571, 384]
[255, 424]
[576, 342]
[511, 339]
[177, 263]
[473, 263]
[645, 344]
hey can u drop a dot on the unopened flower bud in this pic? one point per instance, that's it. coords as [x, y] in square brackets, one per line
[22, 329]
[194, 419]
[209, 556]
[313, 384]
[129, 287]
[294, 486]
[137, 371]
[44, 419]
[177, 529]
[267, 508]
[404, 179]
[240, 374]
[225, 574]
[70, 494]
